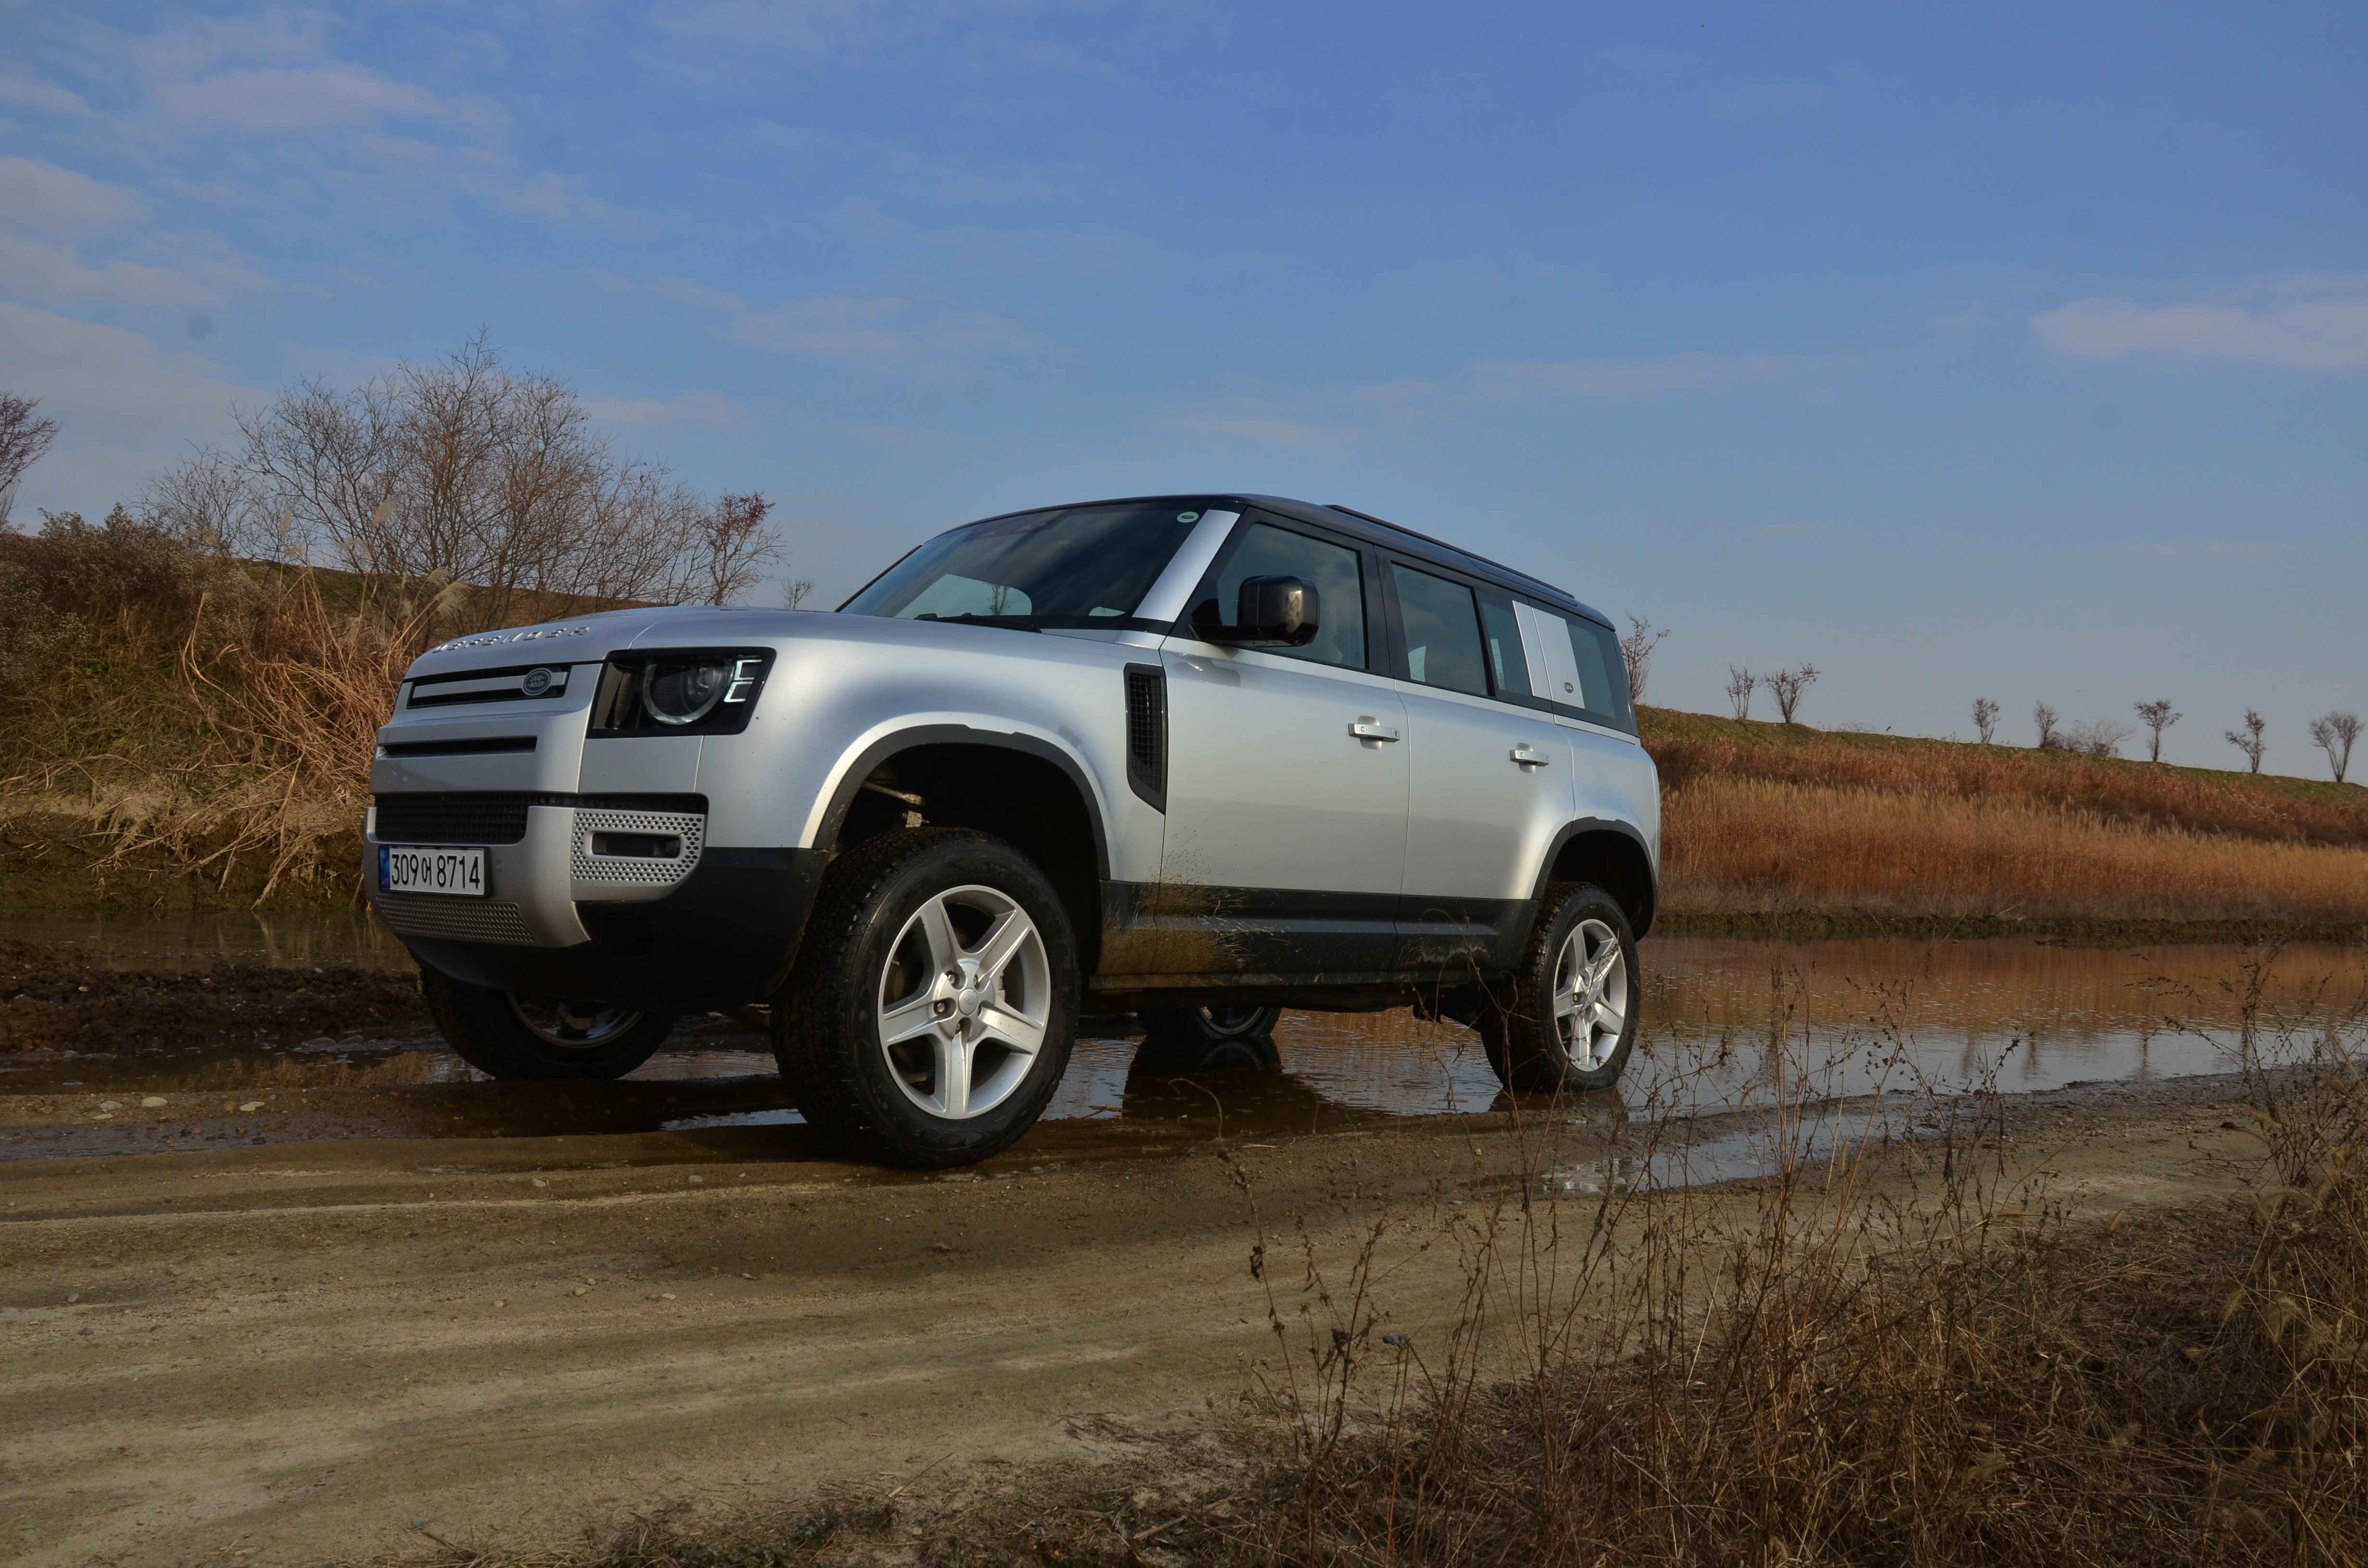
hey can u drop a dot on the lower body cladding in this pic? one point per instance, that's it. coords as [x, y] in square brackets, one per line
[595, 901]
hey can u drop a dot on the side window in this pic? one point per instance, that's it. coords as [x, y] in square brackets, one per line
[1576, 664]
[1602, 676]
[1509, 666]
[1269, 551]
[1442, 631]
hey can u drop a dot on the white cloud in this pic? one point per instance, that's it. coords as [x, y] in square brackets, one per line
[856, 331]
[182, 271]
[122, 407]
[2307, 324]
[41, 199]
[42, 97]
[328, 97]
[691, 291]
[694, 408]
[1260, 420]
[1625, 381]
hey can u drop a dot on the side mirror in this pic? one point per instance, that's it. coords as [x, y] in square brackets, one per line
[1273, 612]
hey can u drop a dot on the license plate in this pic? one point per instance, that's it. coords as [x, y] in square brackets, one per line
[405, 868]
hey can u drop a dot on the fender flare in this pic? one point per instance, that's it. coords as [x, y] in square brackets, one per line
[1619, 827]
[852, 774]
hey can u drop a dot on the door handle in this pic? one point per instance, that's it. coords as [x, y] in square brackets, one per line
[1366, 730]
[1528, 757]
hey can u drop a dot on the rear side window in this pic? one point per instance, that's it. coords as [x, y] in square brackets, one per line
[1602, 675]
[1269, 551]
[1442, 632]
[1574, 664]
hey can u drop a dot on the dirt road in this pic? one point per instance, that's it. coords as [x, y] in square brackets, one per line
[309, 1351]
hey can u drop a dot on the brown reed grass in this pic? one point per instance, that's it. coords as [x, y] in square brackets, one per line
[1763, 844]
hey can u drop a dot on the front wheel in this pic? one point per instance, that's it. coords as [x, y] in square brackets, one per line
[935, 999]
[504, 1035]
[1570, 1020]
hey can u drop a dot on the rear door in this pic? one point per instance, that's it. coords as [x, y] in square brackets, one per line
[1286, 774]
[1489, 771]
[1576, 667]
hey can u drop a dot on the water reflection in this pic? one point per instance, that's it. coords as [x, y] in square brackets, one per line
[196, 940]
[1730, 1025]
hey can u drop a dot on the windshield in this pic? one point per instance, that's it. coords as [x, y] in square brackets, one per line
[1077, 566]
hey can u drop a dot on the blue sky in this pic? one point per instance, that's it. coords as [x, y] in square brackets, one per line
[1997, 349]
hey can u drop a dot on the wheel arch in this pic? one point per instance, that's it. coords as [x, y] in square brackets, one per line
[1613, 854]
[1022, 789]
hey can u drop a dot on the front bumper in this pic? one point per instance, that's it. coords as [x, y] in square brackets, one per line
[713, 927]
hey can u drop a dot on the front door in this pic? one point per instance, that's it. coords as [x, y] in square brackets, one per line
[1286, 779]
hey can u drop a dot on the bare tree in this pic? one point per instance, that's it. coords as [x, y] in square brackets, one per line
[465, 469]
[1636, 652]
[2334, 734]
[1985, 718]
[2045, 717]
[733, 546]
[23, 439]
[1788, 685]
[2158, 717]
[1740, 685]
[2250, 742]
[794, 596]
[2093, 737]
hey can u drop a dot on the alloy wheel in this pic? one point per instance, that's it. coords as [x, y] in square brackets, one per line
[1590, 996]
[964, 997]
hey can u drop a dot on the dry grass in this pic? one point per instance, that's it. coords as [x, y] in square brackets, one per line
[172, 712]
[1756, 844]
[1770, 819]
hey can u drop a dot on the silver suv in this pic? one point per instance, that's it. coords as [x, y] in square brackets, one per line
[1196, 758]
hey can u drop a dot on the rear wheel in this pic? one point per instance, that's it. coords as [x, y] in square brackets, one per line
[1570, 1020]
[1209, 1026]
[935, 999]
[509, 1035]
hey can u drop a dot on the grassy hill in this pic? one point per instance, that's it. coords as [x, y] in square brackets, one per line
[1770, 826]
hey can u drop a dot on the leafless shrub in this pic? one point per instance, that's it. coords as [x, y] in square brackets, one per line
[2093, 737]
[1740, 685]
[2248, 740]
[2334, 733]
[795, 595]
[1787, 687]
[23, 439]
[2158, 717]
[462, 470]
[1985, 718]
[2044, 718]
[1636, 652]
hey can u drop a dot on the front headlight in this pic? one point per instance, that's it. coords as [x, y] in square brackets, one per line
[680, 693]
[692, 690]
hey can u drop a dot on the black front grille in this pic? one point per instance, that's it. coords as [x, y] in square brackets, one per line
[498, 816]
[474, 818]
[1146, 733]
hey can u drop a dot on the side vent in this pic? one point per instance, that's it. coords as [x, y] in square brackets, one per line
[1146, 733]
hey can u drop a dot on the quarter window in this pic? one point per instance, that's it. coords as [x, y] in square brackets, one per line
[1269, 551]
[1442, 632]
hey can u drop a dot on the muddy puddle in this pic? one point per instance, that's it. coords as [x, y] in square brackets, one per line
[222, 1034]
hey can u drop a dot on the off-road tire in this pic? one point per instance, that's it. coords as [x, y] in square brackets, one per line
[485, 1031]
[1525, 1044]
[826, 1031]
[1208, 1025]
